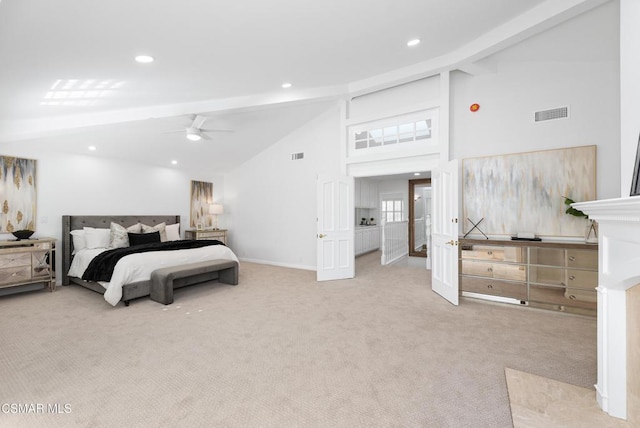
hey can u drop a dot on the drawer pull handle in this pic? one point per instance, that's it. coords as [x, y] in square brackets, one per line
[571, 278]
[563, 284]
[489, 269]
[572, 258]
[489, 286]
[14, 274]
[572, 297]
[489, 252]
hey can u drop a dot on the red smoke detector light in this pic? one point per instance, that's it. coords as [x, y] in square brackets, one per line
[474, 107]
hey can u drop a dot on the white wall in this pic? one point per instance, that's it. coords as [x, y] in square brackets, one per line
[419, 92]
[87, 185]
[575, 65]
[629, 89]
[271, 199]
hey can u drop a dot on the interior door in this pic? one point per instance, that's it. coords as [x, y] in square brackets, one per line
[336, 225]
[444, 268]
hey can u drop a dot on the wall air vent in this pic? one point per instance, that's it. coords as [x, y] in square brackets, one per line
[297, 156]
[554, 113]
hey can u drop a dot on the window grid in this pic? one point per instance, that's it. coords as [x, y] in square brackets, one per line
[393, 210]
[387, 135]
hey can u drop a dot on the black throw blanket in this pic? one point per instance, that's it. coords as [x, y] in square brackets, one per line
[102, 265]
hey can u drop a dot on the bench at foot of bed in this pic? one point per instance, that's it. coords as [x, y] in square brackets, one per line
[165, 280]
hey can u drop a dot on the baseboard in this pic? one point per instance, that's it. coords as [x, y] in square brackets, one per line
[272, 263]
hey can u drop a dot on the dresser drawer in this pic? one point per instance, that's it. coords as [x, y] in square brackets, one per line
[582, 279]
[12, 275]
[512, 272]
[15, 259]
[483, 253]
[477, 268]
[210, 235]
[582, 259]
[494, 270]
[494, 288]
[563, 297]
[581, 295]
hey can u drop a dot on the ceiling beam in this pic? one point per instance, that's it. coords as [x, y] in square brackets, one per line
[36, 128]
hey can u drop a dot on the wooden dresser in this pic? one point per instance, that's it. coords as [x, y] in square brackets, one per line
[27, 261]
[559, 276]
[219, 234]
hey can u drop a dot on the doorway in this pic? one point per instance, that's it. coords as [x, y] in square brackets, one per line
[419, 216]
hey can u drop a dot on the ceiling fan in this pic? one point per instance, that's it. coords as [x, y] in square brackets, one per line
[195, 131]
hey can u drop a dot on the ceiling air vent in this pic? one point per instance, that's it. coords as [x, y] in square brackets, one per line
[554, 113]
[297, 156]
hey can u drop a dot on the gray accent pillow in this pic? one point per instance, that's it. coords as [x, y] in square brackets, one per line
[119, 234]
[160, 227]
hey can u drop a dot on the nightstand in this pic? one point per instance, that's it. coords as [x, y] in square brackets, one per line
[219, 234]
[27, 261]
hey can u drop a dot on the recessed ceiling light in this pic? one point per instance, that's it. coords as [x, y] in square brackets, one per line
[286, 85]
[174, 162]
[413, 42]
[416, 173]
[144, 59]
[92, 148]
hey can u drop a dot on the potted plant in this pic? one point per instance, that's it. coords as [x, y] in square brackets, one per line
[591, 231]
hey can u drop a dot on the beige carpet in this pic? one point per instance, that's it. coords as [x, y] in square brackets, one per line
[538, 402]
[281, 350]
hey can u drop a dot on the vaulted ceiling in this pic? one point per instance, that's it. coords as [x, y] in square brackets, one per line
[68, 77]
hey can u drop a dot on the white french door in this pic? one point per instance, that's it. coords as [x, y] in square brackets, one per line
[444, 268]
[335, 231]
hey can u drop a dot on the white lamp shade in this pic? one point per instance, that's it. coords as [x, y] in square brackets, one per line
[216, 209]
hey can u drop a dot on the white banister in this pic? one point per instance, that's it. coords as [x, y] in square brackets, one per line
[419, 227]
[395, 244]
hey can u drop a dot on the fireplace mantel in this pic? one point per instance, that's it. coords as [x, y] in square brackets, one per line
[619, 269]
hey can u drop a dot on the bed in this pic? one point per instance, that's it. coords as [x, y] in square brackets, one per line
[125, 286]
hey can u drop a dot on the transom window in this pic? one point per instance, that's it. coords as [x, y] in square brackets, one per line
[393, 210]
[394, 134]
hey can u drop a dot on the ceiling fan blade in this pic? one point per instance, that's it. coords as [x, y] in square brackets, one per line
[174, 131]
[205, 136]
[217, 130]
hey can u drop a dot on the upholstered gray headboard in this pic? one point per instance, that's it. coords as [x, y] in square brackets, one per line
[73, 222]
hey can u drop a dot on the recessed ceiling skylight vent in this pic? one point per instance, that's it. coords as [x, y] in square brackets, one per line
[555, 113]
[74, 92]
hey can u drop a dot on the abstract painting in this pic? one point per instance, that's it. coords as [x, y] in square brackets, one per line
[201, 198]
[524, 192]
[17, 194]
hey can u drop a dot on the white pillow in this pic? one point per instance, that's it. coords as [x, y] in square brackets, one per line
[173, 232]
[79, 243]
[119, 235]
[97, 238]
[160, 227]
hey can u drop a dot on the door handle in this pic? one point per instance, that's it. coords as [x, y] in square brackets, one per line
[452, 242]
[321, 236]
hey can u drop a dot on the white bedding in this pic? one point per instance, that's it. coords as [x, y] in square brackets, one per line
[138, 267]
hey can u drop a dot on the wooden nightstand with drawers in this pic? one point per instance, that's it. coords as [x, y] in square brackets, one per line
[27, 262]
[219, 234]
